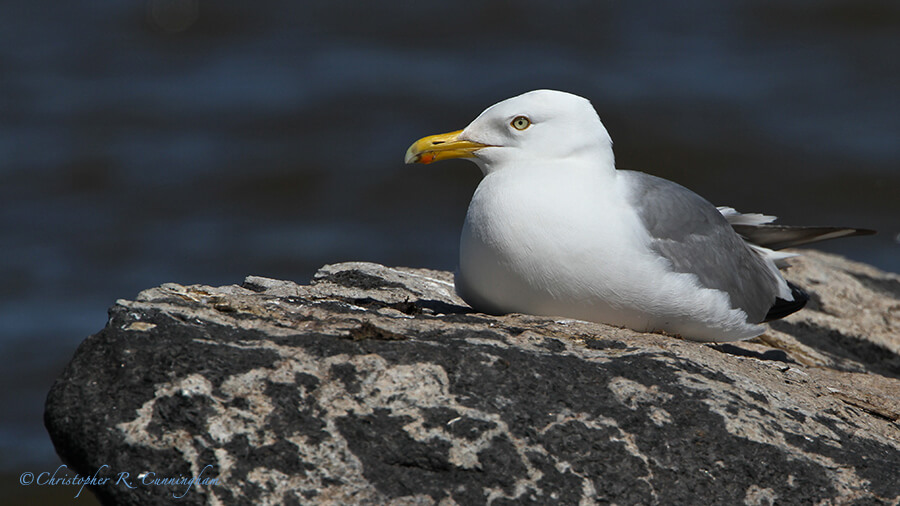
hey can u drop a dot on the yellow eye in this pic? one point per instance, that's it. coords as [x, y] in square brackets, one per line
[520, 123]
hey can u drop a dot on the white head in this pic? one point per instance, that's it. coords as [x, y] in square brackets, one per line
[538, 125]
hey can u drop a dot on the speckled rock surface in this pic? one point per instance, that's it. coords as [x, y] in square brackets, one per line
[376, 385]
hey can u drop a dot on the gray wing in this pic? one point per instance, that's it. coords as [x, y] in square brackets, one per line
[786, 236]
[695, 238]
[758, 229]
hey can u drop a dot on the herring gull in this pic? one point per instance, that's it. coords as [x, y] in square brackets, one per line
[555, 229]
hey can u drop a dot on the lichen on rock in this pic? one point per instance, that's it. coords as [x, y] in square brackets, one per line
[377, 385]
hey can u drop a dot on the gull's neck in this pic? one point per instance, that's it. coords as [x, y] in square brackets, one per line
[597, 159]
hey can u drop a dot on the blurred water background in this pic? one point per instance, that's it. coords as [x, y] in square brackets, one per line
[199, 142]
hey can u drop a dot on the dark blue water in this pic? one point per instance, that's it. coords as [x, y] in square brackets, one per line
[198, 142]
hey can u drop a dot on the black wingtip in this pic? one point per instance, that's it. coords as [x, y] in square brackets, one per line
[783, 307]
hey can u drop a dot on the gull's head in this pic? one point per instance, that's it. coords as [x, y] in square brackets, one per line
[538, 125]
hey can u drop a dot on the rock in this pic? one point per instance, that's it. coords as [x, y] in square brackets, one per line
[377, 385]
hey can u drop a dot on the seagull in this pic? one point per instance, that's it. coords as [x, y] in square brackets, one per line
[554, 229]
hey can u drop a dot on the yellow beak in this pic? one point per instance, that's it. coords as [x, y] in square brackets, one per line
[441, 147]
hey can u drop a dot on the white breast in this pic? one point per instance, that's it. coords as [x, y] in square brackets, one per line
[525, 249]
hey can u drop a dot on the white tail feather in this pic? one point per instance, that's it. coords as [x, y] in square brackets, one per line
[735, 217]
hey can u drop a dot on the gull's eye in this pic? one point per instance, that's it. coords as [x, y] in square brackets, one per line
[520, 123]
